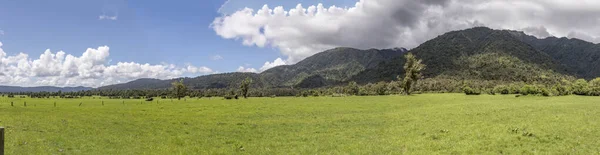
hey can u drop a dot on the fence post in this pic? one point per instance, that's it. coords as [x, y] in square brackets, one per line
[1, 140]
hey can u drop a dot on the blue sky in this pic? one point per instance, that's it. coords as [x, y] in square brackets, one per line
[96, 43]
[144, 32]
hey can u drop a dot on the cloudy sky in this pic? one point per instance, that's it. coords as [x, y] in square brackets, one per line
[95, 43]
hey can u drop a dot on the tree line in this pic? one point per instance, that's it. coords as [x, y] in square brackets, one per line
[412, 82]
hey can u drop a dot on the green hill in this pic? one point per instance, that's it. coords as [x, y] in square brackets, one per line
[478, 54]
[335, 65]
[322, 69]
[579, 57]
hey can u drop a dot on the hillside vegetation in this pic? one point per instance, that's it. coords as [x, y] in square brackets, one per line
[323, 69]
[475, 55]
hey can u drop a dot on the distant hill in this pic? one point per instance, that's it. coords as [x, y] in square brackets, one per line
[478, 53]
[580, 58]
[13, 89]
[213, 81]
[335, 65]
[325, 68]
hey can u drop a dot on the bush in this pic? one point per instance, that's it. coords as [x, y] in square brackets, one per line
[561, 90]
[490, 91]
[529, 90]
[502, 89]
[381, 88]
[304, 94]
[580, 87]
[594, 89]
[545, 92]
[471, 91]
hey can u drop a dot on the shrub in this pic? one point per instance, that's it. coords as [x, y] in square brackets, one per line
[561, 90]
[502, 89]
[545, 92]
[580, 87]
[594, 89]
[529, 90]
[305, 94]
[381, 88]
[514, 89]
[471, 91]
[490, 91]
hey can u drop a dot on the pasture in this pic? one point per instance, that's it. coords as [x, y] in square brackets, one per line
[419, 124]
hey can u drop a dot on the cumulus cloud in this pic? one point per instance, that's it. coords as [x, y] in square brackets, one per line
[216, 57]
[89, 69]
[275, 63]
[105, 17]
[244, 69]
[583, 36]
[540, 32]
[303, 31]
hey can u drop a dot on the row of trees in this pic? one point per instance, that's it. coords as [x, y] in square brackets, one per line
[565, 87]
[411, 82]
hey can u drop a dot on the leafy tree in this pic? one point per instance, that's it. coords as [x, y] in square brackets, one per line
[352, 88]
[245, 86]
[179, 89]
[412, 72]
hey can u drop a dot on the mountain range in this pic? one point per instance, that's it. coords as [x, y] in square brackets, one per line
[478, 53]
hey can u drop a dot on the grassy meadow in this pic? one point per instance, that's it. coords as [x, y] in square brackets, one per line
[419, 124]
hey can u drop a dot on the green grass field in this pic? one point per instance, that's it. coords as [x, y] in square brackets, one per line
[420, 124]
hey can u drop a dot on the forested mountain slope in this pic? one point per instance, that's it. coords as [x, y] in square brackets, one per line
[472, 54]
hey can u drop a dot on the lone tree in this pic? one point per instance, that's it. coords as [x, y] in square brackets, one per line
[245, 85]
[412, 72]
[179, 89]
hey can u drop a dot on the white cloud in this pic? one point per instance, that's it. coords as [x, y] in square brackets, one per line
[303, 31]
[194, 69]
[275, 63]
[216, 57]
[105, 17]
[89, 69]
[243, 69]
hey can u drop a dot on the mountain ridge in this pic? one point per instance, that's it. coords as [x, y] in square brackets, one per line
[478, 53]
